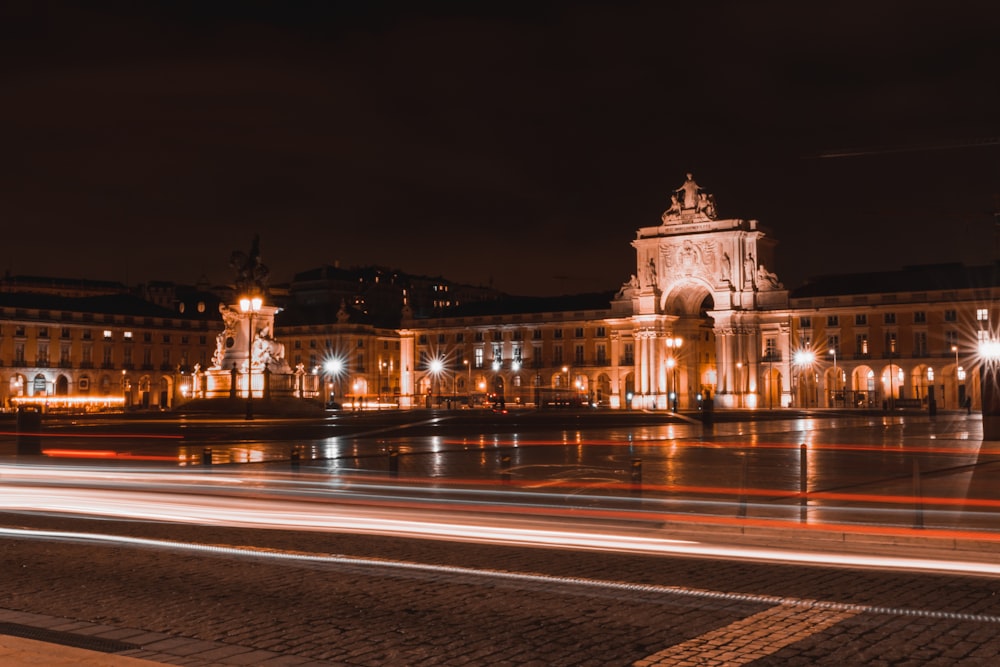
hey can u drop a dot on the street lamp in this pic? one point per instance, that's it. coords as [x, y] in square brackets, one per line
[468, 384]
[739, 380]
[436, 366]
[954, 348]
[674, 344]
[250, 305]
[803, 359]
[836, 377]
[671, 370]
[333, 367]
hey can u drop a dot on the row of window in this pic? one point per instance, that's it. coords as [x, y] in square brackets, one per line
[862, 345]
[919, 317]
[515, 335]
[20, 331]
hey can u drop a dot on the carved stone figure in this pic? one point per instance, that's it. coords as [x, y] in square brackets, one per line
[230, 319]
[727, 268]
[749, 269]
[651, 273]
[767, 279]
[688, 193]
[628, 288]
[675, 207]
[266, 350]
[706, 205]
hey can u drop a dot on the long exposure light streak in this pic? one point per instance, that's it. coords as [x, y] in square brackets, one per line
[442, 523]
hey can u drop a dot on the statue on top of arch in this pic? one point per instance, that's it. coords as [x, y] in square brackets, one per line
[690, 198]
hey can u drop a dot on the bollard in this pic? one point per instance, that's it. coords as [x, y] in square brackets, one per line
[918, 500]
[29, 428]
[803, 483]
[206, 456]
[505, 468]
[393, 462]
[636, 475]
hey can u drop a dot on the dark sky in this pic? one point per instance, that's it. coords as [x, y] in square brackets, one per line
[518, 144]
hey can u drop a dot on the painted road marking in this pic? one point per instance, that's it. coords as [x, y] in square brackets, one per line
[749, 638]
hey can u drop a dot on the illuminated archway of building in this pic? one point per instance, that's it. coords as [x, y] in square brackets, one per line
[166, 391]
[18, 384]
[688, 345]
[602, 389]
[893, 382]
[922, 379]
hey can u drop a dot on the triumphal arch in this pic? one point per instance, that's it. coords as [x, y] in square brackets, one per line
[703, 313]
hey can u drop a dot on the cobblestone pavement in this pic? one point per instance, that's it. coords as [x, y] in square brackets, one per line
[352, 603]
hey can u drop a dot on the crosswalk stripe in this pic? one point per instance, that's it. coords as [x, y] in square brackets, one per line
[749, 638]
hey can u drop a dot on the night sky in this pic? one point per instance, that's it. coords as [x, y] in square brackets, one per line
[513, 144]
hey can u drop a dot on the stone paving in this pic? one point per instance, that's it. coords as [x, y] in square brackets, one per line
[571, 608]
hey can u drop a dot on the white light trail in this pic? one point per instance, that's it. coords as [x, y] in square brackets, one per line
[381, 563]
[313, 513]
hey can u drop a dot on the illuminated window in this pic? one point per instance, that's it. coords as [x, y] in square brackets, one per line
[478, 352]
[861, 344]
[890, 342]
[982, 314]
[107, 334]
[127, 335]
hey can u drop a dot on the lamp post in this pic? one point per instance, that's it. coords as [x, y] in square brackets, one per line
[836, 378]
[803, 359]
[739, 380]
[333, 368]
[674, 343]
[954, 348]
[468, 382]
[250, 305]
[436, 367]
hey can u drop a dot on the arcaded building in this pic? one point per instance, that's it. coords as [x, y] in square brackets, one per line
[702, 316]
